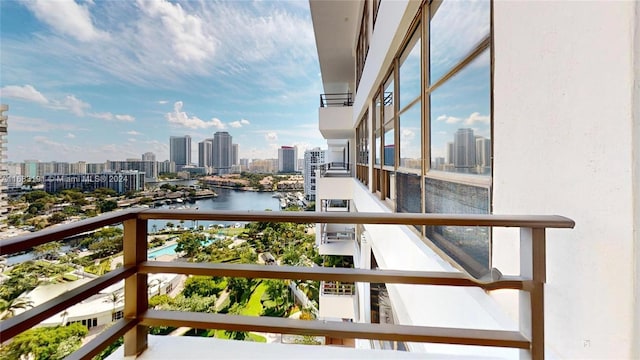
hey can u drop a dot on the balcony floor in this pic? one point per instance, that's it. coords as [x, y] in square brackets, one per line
[185, 347]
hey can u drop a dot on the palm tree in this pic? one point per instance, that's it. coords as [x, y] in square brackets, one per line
[8, 308]
[115, 298]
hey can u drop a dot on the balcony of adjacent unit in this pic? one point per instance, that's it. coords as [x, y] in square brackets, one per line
[338, 299]
[480, 334]
[337, 239]
[336, 116]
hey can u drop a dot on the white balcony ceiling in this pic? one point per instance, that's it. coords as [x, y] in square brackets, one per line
[335, 25]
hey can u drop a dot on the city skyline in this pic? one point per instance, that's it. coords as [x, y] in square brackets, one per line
[70, 104]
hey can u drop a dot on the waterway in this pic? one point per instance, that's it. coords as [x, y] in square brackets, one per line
[227, 199]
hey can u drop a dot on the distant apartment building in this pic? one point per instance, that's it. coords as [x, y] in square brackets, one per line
[234, 154]
[79, 167]
[121, 182]
[149, 156]
[180, 150]
[149, 168]
[96, 168]
[4, 173]
[222, 152]
[30, 169]
[287, 159]
[265, 166]
[205, 154]
[166, 166]
[313, 159]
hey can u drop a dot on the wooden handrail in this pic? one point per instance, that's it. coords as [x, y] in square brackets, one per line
[337, 329]
[330, 274]
[27, 241]
[104, 339]
[528, 221]
[59, 232]
[136, 268]
[32, 317]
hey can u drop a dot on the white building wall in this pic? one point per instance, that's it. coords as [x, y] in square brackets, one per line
[564, 144]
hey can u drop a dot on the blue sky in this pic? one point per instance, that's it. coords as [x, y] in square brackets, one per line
[109, 80]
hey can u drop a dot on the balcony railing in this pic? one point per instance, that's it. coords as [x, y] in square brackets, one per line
[335, 169]
[138, 317]
[338, 288]
[341, 99]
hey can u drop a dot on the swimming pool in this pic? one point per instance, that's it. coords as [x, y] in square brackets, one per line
[164, 251]
[171, 249]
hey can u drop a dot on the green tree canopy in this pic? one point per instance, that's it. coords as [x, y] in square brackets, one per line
[44, 343]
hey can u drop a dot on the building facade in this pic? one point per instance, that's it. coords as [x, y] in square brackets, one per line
[121, 182]
[205, 153]
[148, 167]
[313, 159]
[148, 156]
[287, 159]
[222, 152]
[4, 172]
[474, 107]
[180, 150]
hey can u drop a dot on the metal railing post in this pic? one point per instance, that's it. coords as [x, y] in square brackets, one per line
[136, 300]
[531, 304]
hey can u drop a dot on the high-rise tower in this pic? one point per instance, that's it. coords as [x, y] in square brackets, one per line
[222, 152]
[3, 170]
[288, 159]
[205, 153]
[180, 150]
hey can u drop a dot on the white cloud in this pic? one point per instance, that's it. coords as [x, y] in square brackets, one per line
[132, 140]
[66, 17]
[28, 124]
[477, 118]
[70, 136]
[181, 118]
[133, 133]
[103, 115]
[271, 136]
[449, 119]
[110, 116]
[26, 92]
[71, 104]
[239, 123]
[186, 33]
[49, 146]
[162, 102]
[408, 134]
[127, 118]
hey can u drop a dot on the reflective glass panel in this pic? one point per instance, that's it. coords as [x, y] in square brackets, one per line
[410, 71]
[378, 144]
[389, 146]
[388, 100]
[410, 137]
[456, 28]
[461, 121]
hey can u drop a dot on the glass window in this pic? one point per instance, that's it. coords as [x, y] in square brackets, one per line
[389, 146]
[378, 145]
[388, 100]
[410, 137]
[409, 74]
[461, 120]
[456, 28]
[467, 245]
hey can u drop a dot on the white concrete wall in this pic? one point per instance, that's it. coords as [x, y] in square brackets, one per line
[335, 122]
[333, 188]
[564, 144]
